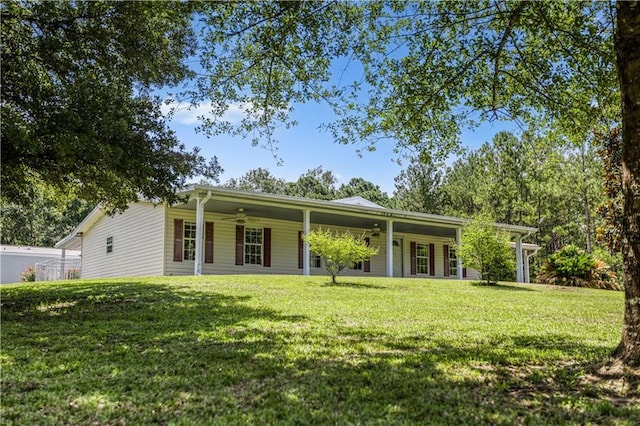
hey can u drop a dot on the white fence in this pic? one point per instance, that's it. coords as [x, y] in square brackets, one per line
[58, 269]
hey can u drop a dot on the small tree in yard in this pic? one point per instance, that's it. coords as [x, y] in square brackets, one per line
[486, 249]
[339, 250]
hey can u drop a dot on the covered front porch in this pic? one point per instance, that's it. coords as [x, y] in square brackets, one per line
[411, 244]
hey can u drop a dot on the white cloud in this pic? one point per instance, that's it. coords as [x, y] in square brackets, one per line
[185, 113]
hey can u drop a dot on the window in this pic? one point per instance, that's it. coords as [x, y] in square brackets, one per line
[189, 241]
[253, 246]
[357, 266]
[422, 258]
[109, 244]
[314, 260]
[453, 261]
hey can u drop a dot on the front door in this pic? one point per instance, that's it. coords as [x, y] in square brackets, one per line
[397, 258]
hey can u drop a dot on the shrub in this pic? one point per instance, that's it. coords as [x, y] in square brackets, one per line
[572, 262]
[486, 249]
[339, 250]
[29, 274]
[571, 266]
[613, 261]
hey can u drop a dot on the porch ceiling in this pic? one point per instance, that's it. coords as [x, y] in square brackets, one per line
[228, 208]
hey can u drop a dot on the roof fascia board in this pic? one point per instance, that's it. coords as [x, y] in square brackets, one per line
[324, 206]
[331, 207]
[86, 223]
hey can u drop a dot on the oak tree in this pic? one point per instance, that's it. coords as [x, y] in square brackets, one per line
[77, 108]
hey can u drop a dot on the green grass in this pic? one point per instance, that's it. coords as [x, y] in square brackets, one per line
[295, 350]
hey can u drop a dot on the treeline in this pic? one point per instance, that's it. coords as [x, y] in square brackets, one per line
[43, 218]
[315, 183]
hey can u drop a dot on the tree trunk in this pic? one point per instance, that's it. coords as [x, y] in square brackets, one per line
[627, 47]
[585, 196]
[587, 218]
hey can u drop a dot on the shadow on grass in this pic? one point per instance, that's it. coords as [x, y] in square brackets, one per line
[498, 286]
[348, 284]
[135, 352]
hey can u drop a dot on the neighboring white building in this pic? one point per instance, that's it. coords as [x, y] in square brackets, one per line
[224, 231]
[16, 259]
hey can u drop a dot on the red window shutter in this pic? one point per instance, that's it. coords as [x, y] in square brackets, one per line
[367, 263]
[432, 259]
[266, 256]
[178, 233]
[464, 272]
[239, 245]
[300, 250]
[412, 254]
[447, 267]
[208, 242]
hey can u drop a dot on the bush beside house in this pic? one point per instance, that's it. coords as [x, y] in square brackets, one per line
[574, 267]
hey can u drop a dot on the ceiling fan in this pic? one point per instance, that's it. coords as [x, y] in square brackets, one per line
[241, 217]
[375, 231]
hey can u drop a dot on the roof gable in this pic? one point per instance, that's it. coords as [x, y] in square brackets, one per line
[358, 201]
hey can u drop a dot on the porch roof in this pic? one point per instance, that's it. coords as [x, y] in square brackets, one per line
[335, 212]
[227, 202]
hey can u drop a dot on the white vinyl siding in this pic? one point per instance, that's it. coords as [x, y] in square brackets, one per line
[136, 243]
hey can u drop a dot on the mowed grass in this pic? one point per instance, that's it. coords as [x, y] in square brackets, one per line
[296, 350]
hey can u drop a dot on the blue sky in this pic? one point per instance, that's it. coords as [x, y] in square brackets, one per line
[305, 147]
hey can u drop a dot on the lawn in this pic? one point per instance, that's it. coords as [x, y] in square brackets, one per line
[296, 350]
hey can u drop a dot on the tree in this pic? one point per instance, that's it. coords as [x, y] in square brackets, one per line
[486, 249]
[44, 220]
[419, 188]
[431, 67]
[339, 250]
[258, 180]
[364, 189]
[76, 107]
[316, 183]
[627, 42]
[610, 210]
[536, 180]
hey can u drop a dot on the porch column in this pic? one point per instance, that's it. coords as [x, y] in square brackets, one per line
[389, 248]
[200, 203]
[458, 261]
[306, 227]
[526, 267]
[519, 271]
[63, 257]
